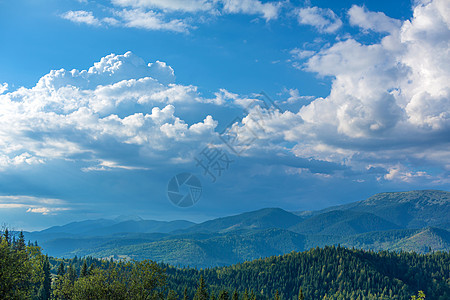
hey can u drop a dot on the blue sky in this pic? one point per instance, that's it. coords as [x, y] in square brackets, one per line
[103, 102]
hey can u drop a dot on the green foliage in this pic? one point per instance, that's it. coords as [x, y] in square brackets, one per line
[235, 295]
[223, 295]
[202, 292]
[22, 268]
[331, 272]
[300, 294]
[172, 295]
[420, 296]
[328, 273]
[121, 280]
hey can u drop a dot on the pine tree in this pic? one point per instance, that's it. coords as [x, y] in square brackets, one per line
[277, 296]
[84, 269]
[223, 295]
[21, 242]
[185, 295]
[47, 283]
[252, 295]
[235, 295]
[172, 295]
[202, 293]
[245, 295]
[61, 269]
[7, 236]
[72, 274]
[300, 295]
[420, 296]
[91, 269]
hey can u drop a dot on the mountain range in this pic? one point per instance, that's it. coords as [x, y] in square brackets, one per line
[410, 221]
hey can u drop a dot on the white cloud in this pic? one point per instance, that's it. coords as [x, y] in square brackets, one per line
[159, 14]
[45, 206]
[388, 106]
[3, 87]
[150, 20]
[400, 173]
[182, 5]
[301, 54]
[72, 113]
[375, 21]
[135, 18]
[389, 102]
[324, 20]
[295, 96]
[81, 16]
[268, 10]
[46, 210]
[106, 165]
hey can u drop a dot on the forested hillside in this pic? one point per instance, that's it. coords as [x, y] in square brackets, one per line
[334, 272]
[320, 273]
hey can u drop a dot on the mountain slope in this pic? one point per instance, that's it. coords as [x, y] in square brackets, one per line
[260, 219]
[104, 227]
[388, 221]
[200, 250]
[414, 209]
[339, 222]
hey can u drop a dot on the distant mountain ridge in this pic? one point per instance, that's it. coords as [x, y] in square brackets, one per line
[411, 221]
[259, 219]
[118, 225]
[413, 209]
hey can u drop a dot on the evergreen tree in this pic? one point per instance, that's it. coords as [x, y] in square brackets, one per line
[7, 236]
[300, 295]
[252, 295]
[185, 295]
[72, 273]
[420, 296]
[277, 296]
[224, 295]
[245, 295]
[172, 295]
[90, 270]
[21, 242]
[84, 269]
[202, 292]
[16, 270]
[235, 295]
[61, 269]
[47, 283]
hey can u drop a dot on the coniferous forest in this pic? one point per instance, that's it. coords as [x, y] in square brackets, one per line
[320, 273]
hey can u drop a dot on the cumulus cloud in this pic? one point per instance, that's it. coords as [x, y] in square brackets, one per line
[3, 87]
[295, 96]
[171, 15]
[301, 54]
[375, 21]
[150, 20]
[81, 16]
[324, 20]
[268, 10]
[388, 107]
[389, 101]
[400, 173]
[120, 100]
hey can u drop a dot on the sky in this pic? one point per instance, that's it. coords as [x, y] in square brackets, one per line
[293, 104]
